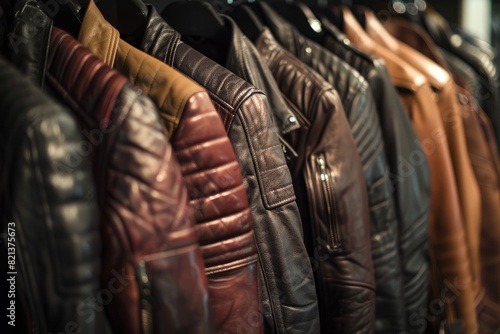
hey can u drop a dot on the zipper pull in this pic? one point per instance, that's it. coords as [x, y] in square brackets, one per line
[322, 165]
[145, 293]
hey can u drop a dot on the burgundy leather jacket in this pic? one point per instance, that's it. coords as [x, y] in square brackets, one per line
[151, 238]
[209, 167]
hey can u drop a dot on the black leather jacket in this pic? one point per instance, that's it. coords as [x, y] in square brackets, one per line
[47, 190]
[285, 276]
[362, 116]
[411, 190]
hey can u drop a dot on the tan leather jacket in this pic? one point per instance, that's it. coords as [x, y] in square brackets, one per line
[449, 251]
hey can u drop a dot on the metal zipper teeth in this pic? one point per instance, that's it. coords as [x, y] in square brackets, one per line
[145, 293]
[329, 201]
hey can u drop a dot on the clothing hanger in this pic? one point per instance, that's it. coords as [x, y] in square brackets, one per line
[196, 18]
[248, 22]
[129, 17]
[68, 15]
[329, 11]
[302, 17]
[201, 26]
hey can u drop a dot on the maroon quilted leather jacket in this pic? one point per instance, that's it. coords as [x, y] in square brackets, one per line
[208, 165]
[148, 227]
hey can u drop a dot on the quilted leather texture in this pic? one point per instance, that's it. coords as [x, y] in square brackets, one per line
[338, 220]
[286, 283]
[360, 110]
[151, 239]
[220, 204]
[212, 175]
[58, 245]
[411, 190]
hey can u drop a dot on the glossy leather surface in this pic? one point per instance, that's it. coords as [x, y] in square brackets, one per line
[29, 37]
[146, 220]
[484, 158]
[211, 172]
[220, 204]
[411, 190]
[448, 250]
[332, 184]
[49, 193]
[446, 96]
[360, 110]
[286, 283]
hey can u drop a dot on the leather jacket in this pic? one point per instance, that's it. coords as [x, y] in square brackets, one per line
[209, 167]
[286, 283]
[363, 119]
[486, 165]
[146, 220]
[446, 96]
[50, 201]
[330, 183]
[485, 162]
[411, 190]
[448, 249]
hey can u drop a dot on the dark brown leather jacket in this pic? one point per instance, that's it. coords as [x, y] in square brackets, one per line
[49, 213]
[209, 166]
[360, 110]
[285, 276]
[151, 238]
[411, 185]
[331, 187]
[448, 250]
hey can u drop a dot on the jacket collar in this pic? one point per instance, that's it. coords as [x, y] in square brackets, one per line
[278, 27]
[402, 74]
[437, 76]
[333, 32]
[355, 31]
[244, 60]
[413, 35]
[28, 51]
[162, 39]
[100, 37]
[169, 89]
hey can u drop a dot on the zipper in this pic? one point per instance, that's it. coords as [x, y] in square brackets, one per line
[329, 201]
[145, 294]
